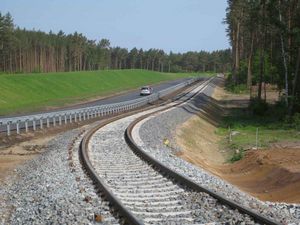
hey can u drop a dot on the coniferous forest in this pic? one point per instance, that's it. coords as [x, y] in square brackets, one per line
[23, 51]
[265, 40]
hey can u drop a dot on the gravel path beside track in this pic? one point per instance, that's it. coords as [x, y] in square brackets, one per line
[149, 135]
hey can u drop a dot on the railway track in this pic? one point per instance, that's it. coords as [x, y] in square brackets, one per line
[143, 190]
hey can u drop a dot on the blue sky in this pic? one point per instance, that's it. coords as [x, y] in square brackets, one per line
[171, 25]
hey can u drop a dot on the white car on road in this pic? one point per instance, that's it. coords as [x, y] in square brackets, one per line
[146, 90]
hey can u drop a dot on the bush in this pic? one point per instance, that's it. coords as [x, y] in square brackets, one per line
[235, 88]
[258, 107]
[238, 155]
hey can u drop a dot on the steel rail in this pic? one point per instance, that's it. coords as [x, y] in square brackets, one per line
[129, 217]
[84, 158]
[163, 169]
[181, 179]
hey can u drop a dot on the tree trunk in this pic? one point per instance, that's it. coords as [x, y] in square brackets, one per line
[237, 54]
[284, 59]
[261, 70]
[295, 84]
[249, 73]
[152, 67]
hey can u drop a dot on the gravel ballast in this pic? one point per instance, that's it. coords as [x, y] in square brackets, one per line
[53, 189]
[150, 134]
[129, 178]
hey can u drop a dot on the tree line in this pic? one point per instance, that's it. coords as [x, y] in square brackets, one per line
[265, 40]
[24, 50]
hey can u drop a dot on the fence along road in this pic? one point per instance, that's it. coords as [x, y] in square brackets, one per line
[20, 124]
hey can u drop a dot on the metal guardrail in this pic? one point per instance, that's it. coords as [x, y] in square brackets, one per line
[45, 120]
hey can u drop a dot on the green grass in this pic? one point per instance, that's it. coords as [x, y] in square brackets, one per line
[271, 129]
[31, 92]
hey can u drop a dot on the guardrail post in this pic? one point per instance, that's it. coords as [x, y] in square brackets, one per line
[65, 118]
[54, 121]
[26, 126]
[59, 120]
[48, 123]
[79, 115]
[18, 126]
[84, 115]
[88, 114]
[41, 123]
[8, 128]
[70, 117]
[75, 117]
[33, 124]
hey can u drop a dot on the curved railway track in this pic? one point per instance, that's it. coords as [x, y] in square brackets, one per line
[142, 189]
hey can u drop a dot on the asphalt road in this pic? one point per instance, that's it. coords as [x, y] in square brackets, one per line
[114, 99]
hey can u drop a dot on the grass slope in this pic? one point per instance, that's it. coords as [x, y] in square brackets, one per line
[31, 92]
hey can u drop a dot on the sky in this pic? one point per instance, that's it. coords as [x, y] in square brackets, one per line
[171, 25]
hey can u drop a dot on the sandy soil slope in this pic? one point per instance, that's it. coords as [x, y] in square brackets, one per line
[270, 174]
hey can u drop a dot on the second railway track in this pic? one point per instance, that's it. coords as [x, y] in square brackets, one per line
[143, 190]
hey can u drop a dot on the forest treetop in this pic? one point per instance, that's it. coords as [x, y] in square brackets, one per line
[24, 50]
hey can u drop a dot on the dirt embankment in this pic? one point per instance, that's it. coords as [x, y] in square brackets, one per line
[17, 154]
[271, 174]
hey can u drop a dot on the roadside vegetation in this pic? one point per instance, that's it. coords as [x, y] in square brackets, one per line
[31, 92]
[265, 40]
[257, 128]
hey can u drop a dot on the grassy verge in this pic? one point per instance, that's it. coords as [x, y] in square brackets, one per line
[244, 126]
[31, 92]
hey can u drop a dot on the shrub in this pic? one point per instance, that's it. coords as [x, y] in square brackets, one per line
[258, 107]
[238, 155]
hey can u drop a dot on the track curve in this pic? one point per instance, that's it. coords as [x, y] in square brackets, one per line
[143, 190]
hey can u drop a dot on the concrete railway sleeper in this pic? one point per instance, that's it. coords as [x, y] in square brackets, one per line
[143, 190]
